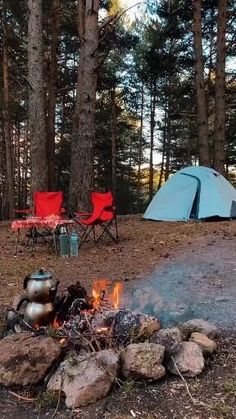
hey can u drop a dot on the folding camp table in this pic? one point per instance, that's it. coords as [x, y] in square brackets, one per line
[32, 223]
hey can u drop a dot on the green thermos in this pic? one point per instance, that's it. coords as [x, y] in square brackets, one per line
[64, 243]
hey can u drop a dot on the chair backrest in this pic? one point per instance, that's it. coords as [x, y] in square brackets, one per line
[103, 208]
[47, 203]
[102, 199]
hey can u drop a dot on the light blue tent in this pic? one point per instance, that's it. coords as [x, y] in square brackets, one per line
[195, 192]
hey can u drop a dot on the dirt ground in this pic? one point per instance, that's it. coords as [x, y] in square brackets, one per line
[144, 247]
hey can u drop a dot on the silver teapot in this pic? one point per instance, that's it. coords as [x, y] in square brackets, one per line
[38, 314]
[41, 287]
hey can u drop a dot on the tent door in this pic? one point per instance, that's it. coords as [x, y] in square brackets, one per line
[194, 210]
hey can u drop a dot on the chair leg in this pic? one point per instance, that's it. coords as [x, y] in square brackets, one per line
[105, 230]
[86, 234]
[34, 238]
[116, 228]
[94, 234]
[54, 241]
[17, 240]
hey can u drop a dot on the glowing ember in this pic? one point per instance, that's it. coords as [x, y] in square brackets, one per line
[102, 329]
[36, 326]
[56, 324]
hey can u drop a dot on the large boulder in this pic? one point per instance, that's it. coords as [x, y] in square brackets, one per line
[143, 360]
[25, 358]
[189, 360]
[208, 346]
[170, 338]
[85, 379]
[201, 326]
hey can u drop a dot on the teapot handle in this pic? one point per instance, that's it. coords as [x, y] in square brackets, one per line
[21, 302]
[53, 290]
[27, 278]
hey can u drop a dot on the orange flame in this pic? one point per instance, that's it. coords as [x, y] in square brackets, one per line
[115, 295]
[98, 286]
[101, 285]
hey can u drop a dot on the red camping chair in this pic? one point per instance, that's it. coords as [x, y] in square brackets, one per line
[46, 204]
[103, 215]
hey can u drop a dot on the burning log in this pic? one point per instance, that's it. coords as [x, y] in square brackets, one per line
[94, 322]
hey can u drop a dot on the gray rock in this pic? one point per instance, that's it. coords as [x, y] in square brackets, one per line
[126, 324]
[208, 346]
[25, 358]
[143, 360]
[189, 360]
[86, 379]
[201, 326]
[170, 338]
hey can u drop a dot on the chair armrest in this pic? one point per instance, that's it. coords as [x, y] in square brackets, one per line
[82, 214]
[24, 211]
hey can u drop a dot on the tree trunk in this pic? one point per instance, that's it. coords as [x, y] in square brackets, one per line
[83, 135]
[219, 126]
[163, 152]
[7, 131]
[52, 91]
[37, 126]
[113, 140]
[140, 148]
[203, 135]
[168, 143]
[152, 130]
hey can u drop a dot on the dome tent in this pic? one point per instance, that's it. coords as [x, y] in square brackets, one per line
[194, 192]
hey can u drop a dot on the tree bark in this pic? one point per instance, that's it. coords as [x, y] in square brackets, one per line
[52, 92]
[152, 128]
[219, 126]
[140, 148]
[37, 125]
[6, 129]
[83, 135]
[203, 135]
[163, 152]
[168, 142]
[113, 140]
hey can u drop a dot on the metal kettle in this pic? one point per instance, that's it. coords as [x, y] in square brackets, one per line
[39, 314]
[41, 287]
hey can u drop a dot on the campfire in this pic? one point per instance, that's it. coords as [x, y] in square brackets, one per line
[81, 343]
[92, 321]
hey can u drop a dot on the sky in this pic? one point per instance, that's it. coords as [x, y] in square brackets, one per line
[135, 4]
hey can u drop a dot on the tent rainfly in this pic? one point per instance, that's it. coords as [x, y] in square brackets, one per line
[195, 192]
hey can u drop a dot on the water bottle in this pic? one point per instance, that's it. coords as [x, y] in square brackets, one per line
[74, 243]
[64, 243]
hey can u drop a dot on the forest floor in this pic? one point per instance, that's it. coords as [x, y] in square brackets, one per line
[144, 248]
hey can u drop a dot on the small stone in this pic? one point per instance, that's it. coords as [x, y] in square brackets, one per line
[201, 326]
[143, 360]
[85, 379]
[208, 346]
[170, 338]
[189, 360]
[25, 358]
[148, 327]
